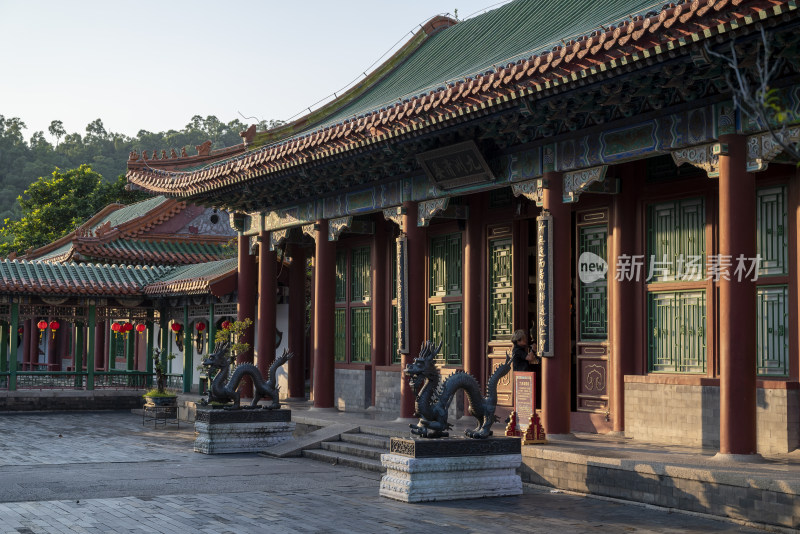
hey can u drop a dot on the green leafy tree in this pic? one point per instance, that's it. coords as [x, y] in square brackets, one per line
[57, 204]
[57, 130]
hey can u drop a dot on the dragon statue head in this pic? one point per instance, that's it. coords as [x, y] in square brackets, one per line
[219, 358]
[423, 367]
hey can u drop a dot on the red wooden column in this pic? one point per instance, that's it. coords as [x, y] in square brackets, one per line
[26, 343]
[737, 302]
[267, 289]
[381, 305]
[297, 323]
[324, 304]
[247, 286]
[52, 343]
[621, 314]
[556, 370]
[416, 301]
[473, 304]
[33, 344]
[99, 345]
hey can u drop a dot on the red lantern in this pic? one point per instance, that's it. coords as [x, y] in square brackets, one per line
[226, 325]
[42, 325]
[116, 327]
[200, 326]
[21, 330]
[177, 327]
[141, 327]
[53, 327]
[127, 327]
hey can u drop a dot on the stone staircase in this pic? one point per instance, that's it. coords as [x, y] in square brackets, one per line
[361, 449]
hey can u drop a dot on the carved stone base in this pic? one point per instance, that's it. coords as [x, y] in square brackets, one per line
[472, 469]
[224, 432]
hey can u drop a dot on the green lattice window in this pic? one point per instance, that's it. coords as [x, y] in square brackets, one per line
[500, 289]
[677, 331]
[445, 265]
[360, 329]
[360, 274]
[353, 318]
[676, 241]
[772, 334]
[340, 335]
[772, 237]
[445, 326]
[594, 295]
[341, 275]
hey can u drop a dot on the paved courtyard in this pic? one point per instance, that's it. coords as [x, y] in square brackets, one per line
[105, 472]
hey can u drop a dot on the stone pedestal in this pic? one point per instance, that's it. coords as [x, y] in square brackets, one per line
[419, 470]
[230, 431]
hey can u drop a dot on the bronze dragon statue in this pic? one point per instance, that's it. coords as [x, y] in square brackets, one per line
[224, 390]
[433, 400]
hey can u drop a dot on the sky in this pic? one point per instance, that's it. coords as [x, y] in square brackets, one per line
[153, 65]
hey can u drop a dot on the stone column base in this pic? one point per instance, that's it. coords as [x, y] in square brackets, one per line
[450, 478]
[416, 472]
[220, 432]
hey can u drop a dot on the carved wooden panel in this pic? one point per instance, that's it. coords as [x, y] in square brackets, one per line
[592, 377]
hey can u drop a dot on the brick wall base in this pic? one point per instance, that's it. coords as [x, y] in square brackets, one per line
[736, 495]
[66, 400]
[353, 389]
[387, 392]
[689, 415]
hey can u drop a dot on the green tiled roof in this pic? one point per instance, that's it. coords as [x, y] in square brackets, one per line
[43, 278]
[131, 211]
[63, 249]
[129, 250]
[208, 270]
[514, 31]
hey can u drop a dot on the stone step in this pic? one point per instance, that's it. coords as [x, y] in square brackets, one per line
[312, 440]
[336, 458]
[353, 449]
[386, 432]
[370, 440]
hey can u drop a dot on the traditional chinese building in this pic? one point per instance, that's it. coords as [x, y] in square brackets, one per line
[89, 308]
[455, 192]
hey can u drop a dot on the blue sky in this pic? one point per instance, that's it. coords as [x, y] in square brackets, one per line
[152, 65]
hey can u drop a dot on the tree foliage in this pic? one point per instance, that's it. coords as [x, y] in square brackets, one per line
[23, 160]
[39, 205]
[57, 204]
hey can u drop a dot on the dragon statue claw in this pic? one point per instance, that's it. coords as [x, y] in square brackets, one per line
[433, 399]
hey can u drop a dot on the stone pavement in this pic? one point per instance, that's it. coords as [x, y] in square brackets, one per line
[105, 472]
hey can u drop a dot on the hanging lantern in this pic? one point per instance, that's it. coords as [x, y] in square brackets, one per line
[199, 338]
[126, 327]
[21, 330]
[54, 325]
[226, 325]
[42, 326]
[141, 327]
[116, 328]
[178, 329]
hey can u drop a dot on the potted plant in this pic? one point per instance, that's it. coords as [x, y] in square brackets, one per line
[159, 395]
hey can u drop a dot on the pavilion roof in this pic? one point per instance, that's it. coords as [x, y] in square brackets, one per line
[130, 234]
[88, 279]
[524, 48]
